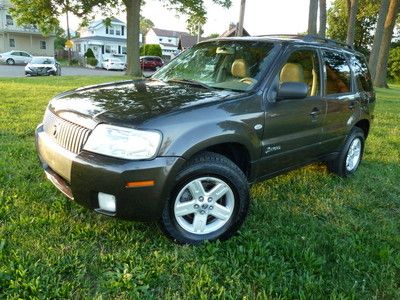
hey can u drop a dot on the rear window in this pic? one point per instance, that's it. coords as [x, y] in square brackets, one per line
[361, 74]
[338, 78]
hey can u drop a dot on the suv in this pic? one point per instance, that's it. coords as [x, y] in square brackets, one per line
[183, 146]
[151, 62]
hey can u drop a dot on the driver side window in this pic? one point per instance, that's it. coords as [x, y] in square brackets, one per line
[302, 66]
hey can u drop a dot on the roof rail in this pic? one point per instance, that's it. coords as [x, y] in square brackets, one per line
[311, 38]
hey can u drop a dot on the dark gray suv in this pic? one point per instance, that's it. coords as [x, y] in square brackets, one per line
[183, 146]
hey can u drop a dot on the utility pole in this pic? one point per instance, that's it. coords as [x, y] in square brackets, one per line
[241, 18]
[68, 35]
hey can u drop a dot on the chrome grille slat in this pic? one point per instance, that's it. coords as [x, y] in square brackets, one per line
[65, 133]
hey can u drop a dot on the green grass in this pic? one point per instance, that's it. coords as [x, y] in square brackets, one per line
[308, 234]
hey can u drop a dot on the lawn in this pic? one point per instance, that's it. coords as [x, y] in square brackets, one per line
[308, 234]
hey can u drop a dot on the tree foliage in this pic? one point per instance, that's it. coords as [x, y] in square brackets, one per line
[365, 22]
[394, 63]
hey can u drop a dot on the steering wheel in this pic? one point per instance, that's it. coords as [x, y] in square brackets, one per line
[248, 80]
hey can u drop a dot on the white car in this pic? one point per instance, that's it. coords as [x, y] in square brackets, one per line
[113, 64]
[15, 57]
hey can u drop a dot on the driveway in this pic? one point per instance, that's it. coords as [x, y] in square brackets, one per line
[19, 71]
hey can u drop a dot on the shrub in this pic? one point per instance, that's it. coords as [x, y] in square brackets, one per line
[394, 64]
[89, 53]
[92, 61]
[151, 49]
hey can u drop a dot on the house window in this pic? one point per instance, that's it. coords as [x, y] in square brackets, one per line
[123, 30]
[106, 30]
[160, 40]
[169, 40]
[112, 31]
[118, 32]
[12, 43]
[9, 20]
[108, 49]
[43, 45]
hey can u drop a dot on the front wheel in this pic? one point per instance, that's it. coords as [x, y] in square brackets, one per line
[10, 62]
[350, 155]
[209, 202]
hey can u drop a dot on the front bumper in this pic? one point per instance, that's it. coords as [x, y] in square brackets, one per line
[82, 176]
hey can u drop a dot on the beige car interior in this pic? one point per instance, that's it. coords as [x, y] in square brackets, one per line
[295, 72]
[240, 70]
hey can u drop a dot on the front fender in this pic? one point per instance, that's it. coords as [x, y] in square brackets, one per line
[207, 135]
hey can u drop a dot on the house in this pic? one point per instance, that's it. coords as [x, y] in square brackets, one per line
[171, 41]
[233, 31]
[105, 41]
[26, 38]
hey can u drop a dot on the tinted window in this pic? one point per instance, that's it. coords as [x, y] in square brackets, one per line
[338, 78]
[302, 66]
[361, 74]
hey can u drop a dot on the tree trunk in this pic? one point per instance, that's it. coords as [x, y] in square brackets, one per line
[351, 27]
[312, 17]
[322, 18]
[132, 43]
[380, 79]
[373, 58]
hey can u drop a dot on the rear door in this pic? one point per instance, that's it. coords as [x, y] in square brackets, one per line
[341, 97]
[293, 127]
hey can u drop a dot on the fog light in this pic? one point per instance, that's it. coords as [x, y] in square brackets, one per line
[107, 202]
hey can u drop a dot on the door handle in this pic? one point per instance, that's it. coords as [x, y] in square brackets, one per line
[315, 112]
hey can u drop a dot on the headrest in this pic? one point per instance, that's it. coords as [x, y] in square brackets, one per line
[292, 73]
[240, 69]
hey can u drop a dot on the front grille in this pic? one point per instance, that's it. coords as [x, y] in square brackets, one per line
[67, 134]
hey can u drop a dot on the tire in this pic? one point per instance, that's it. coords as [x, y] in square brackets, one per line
[350, 156]
[187, 224]
[10, 61]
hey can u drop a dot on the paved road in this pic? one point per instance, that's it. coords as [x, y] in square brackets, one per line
[19, 71]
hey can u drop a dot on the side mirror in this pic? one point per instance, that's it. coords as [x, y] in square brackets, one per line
[292, 90]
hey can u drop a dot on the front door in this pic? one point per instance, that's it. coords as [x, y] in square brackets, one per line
[293, 127]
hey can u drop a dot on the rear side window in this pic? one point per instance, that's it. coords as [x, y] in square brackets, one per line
[361, 74]
[338, 76]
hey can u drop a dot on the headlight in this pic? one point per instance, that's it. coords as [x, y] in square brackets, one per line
[123, 142]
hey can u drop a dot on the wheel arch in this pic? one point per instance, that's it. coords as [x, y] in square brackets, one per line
[364, 125]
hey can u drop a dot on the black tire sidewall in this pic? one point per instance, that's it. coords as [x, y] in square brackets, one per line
[208, 169]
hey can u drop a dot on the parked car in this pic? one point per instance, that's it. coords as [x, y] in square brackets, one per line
[151, 62]
[183, 146]
[113, 64]
[15, 57]
[43, 66]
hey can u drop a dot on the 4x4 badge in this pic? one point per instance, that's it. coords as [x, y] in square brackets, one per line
[272, 149]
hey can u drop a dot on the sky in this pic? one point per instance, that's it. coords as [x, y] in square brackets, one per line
[261, 16]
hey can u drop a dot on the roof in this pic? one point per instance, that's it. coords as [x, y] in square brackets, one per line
[168, 33]
[100, 38]
[233, 32]
[96, 23]
[187, 41]
[304, 39]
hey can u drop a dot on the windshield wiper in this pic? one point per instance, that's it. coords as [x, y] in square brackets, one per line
[191, 82]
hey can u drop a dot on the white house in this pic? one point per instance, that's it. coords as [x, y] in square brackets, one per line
[26, 38]
[171, 41]
[105, 41]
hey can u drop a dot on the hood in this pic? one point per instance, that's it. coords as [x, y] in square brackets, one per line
[133, 102]
[40, 66]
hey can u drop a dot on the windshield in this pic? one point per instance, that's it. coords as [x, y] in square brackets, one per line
[234, 65]
[42, 61]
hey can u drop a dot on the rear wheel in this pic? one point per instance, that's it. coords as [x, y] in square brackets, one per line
[210, 201]
[10, 61]
[350, 155]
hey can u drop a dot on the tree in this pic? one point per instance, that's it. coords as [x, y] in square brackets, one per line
[373, 59]
[394, 64]
[364, 26]
[380, 79]
[45, 13]
[145, 26]
[312, 17]
[322, 18]
[194, 24]
[213, 35]
[61, 38]
[352, 8]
